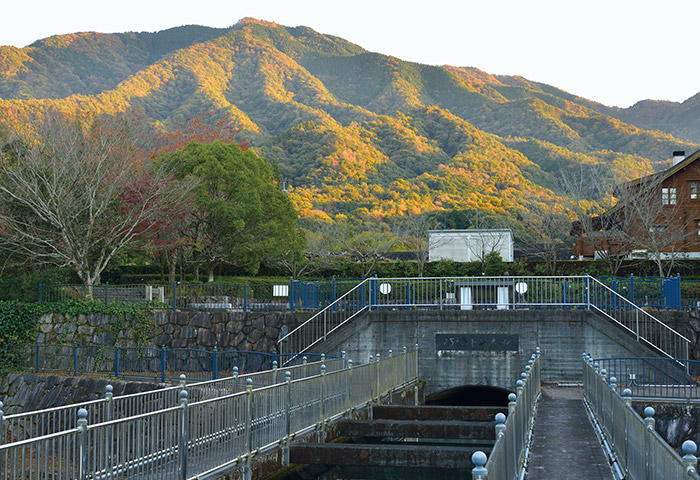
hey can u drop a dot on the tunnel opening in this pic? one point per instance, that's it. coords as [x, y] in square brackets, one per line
[470, 396]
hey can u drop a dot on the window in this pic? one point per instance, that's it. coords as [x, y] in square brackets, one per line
[668, 196]
[693, 190]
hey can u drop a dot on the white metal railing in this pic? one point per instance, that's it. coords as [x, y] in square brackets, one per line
[642, 324]
[325, 321]
[205, 439]
[480, 293]
[26, 425]
[637, 451]
[508, 458]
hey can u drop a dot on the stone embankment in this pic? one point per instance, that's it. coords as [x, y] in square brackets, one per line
[230, 330]
[24, 392]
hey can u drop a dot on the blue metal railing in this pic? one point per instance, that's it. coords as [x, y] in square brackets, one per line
[158, 363]
[313, 295]
[654, 377]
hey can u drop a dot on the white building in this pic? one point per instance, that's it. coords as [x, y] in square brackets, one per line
[469, 245]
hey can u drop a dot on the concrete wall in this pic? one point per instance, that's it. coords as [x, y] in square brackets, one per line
[562, 335]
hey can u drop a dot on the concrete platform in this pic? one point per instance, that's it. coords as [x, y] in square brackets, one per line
[409, 455]
[445, 429]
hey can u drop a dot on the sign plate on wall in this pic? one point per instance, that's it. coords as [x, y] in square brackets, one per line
[477, 341]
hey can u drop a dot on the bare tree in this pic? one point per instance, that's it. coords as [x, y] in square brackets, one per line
[545, 234]
[658, 227]
[413, 232]
[365, 246]
[75, 193]
[591, 190]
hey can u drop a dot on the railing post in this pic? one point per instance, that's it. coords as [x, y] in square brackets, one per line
[588, 292]
[650, 427]
[184, 434]
[344, 356]
[500, 425]
[349, 403]
[632, 287]
[377, 376]
[116, 360]
[334, 294]
[287, 418]
[82, 444]
[415, 387]
[479, 471]
[305, 362]
[247, 471]
[440, 293]
[649, 420]
[291, 294]
[245, 296]
[372, 384]
[405, 366]
[274, 372]
[174, 296]
[324, 395]
[162, 364]
[235, 379]
[511, 403]
[215, 364]
[690, 461]
[75, 360]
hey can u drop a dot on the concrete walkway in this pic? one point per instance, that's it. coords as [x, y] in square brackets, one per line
[564, 444]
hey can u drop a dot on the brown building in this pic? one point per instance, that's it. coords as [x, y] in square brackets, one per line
[657, 215]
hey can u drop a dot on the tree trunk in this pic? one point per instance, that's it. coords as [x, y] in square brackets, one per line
[172, 270]
[210, 278]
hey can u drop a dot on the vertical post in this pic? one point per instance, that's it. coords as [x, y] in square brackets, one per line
[274, 372]
[82, 444]
[215, 364]
[415, 387]
[650, 426]
[632, 287]
[36, 357]
[409, 302]
[440, 280]
[690, 461]
[378, 378]
[479, 471]
[333, 293]
[162, 364]
[372, 371]
[75, 360]
[287, 417]
[116, 360]
[678, 291]
[511, 403]
[245, 296]
[247, 472]
[305, 362]
[184, 433]
[291, 294]
[349, 403]
[235, 379]
[174, 296]
[588, 292]
[324, 395]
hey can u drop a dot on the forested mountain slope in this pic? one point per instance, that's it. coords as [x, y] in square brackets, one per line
[351, 130]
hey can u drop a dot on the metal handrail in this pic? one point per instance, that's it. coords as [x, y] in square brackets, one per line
[637, 451]
[508, 459]
[327, 320]
[207, 438]
[640, 323]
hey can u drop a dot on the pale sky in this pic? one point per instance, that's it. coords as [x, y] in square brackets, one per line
[616, 52]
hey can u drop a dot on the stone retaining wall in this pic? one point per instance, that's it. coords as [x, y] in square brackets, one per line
[256, 331]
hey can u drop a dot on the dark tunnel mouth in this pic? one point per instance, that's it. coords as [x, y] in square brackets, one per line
[470, 396]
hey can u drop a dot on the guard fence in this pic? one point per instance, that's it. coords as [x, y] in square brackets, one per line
[654, 377]
[508, 458]
[25, 425]
[206, 438]
[159, 364]
[309, 295]
[637, 451]
[498, 293]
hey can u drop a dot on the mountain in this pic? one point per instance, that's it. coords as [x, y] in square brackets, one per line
[352, 130]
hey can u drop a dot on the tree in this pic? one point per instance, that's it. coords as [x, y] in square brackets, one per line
[240, 214]
[413, 232]
[546, 233]
[366, 246]
[66, 195]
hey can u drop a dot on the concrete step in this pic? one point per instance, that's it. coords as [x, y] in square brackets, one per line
[446, 429]
[462, 414]
[378, 455]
